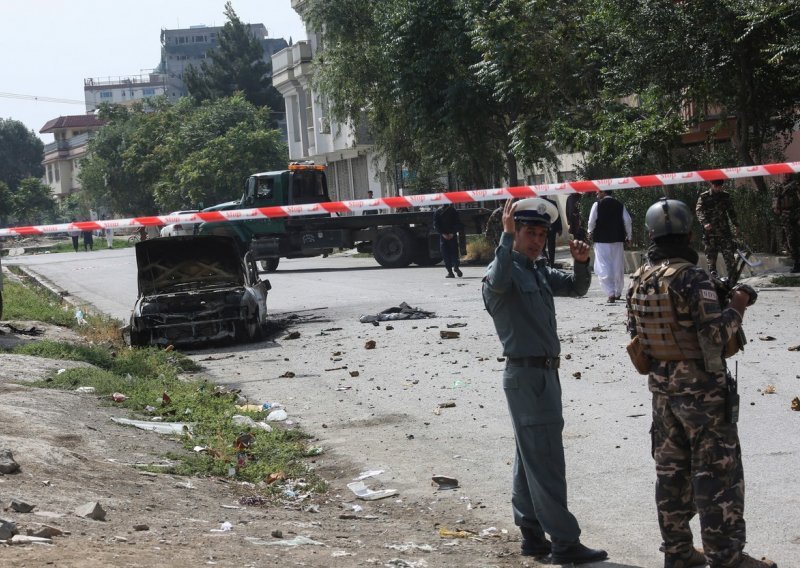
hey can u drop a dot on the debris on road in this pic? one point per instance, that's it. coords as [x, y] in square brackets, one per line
[370, 344]
[292, 335]
[21, 506]
[7, 463]
[363, 492]
[92, 511]
[296, 541]
[444, 532]
[159, 427]
[796, 403]
[401, 312]
[445, 482]
[365, 474]
[449, 334]
[85, 390]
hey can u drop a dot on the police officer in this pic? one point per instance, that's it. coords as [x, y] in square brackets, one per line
[674, 310]
[717, 216]
[786, 205]
[518, 292]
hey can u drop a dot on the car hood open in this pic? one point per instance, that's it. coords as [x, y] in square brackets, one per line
[177, 264]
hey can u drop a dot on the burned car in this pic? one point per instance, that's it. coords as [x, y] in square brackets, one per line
[196, 289]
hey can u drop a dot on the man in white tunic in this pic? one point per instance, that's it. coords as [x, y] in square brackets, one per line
[610, 229]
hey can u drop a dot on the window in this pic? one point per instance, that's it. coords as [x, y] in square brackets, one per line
[149, 91]
[56, 168]
[181, 40]
[106, 95]
[536, 179]
[49, 173]
[568, 175]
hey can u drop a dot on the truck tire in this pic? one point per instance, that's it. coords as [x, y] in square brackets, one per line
[422, 254]
[138, 339]
[270, 264]
[394, 247]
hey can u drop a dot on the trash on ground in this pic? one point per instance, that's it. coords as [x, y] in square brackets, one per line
[250, 407]
[224, 527]
[401, 312]
[766, 338]
[296, 541]
[370, 344]
[277, 415]
[444, 532]
[490, 531]
[292, 335]
[445, 481]
[85, 390]
[365, 474]
[363, 492]
[79, 316]
[24, 539]
[410, 546]
[450, 325]
[444, 334]
[448, 404]
[287, 375]
[796, 403]
[794, 348]
[769, 389]
[118, 397]
[159, 427]
[61, 371]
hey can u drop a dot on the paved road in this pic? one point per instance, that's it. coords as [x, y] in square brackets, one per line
[384, 418]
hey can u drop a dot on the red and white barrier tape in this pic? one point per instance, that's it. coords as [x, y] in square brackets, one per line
[472, 196]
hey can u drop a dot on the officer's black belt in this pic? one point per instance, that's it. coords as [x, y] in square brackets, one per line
[538, 362]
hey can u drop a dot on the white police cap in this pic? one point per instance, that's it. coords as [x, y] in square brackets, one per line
[536, 210]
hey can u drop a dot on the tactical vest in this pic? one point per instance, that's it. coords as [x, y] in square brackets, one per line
[657, 326]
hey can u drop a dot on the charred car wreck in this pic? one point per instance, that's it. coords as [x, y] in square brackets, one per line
[196, 289]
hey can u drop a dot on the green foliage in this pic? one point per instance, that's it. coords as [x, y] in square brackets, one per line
[237, 65]
[33, 203]
[21, 153]
[25, 303]
[180, 155]
[787, 281]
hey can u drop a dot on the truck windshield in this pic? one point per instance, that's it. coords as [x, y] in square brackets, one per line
[309, 186]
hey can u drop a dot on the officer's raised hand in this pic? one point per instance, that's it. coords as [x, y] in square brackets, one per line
[508, 217]
[579, 251]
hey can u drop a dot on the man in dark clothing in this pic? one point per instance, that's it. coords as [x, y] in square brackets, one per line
[518, 292]
[555, 229]
[610, 229]
[786, 205]
[574, 221]
[717, 216]
[448, 224]
[674, 311]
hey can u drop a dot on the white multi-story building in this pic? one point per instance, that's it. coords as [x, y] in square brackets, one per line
[190, 46]
[352, 167]
[62, 158]
[122, 90]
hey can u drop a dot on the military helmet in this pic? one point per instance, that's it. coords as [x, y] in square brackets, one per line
[668, 217]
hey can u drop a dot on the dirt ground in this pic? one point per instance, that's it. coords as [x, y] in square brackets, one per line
[71, 453]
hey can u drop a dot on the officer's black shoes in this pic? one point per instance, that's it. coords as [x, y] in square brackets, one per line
[458, 272]
[688, 559]
[576, 554]
[750, 562]
[450, 274]
[534, 544]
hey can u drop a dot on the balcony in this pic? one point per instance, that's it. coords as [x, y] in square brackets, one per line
[291, 65]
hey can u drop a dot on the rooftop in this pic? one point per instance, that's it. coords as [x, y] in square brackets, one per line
[72, 121]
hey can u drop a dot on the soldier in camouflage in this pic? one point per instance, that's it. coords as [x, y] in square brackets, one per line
[717, 216]
[786, 205]
[674, 310]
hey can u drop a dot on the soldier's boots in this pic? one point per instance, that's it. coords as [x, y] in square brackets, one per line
[695, 557]
[750, 562]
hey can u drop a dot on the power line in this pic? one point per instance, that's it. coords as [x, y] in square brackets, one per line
[41, 99]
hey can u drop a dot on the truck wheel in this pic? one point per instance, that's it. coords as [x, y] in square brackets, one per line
[247, 331]
[422, 254]
[138, 339]
[393, 247]
[270, 265]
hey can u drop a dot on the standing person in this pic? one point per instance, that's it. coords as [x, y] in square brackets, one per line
[786, 205]
[556, 229]
[518, 292]
[448, 224]
[717, 216]
[88, 241]
[574, 221]
[674, 310]
[109, 233]
[370, 196]
[74, 235]
[610, 229]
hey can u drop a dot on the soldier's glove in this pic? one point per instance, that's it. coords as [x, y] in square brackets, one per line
[747, 290]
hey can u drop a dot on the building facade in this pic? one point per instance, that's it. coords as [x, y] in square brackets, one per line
[122, 90]
[62, 158]
[190, 46]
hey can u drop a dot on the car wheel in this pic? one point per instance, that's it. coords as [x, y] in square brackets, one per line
[270, 264]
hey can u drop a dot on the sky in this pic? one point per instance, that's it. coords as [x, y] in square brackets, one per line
[48, 47]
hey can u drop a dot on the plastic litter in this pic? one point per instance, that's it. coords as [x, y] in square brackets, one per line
[85, 390]
[159, 427]
[61, 371]
[365, 493]
[366, 474]
[410, 546]
[296, 541]
[224, 527]
[79, 316]
[277, 415]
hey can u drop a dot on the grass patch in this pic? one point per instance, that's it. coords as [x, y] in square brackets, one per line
[155, 385]
[479, 249]
[786, 281]
[99, 244]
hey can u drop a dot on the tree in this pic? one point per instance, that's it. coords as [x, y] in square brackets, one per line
[404, 69]
[33, 203]
[236, 65]
[180, 155]
[5, 203]
[21, 153]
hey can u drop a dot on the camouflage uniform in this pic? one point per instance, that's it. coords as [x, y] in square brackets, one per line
[716, 209]
[494, 227]
[697, 452]
[786, 204]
